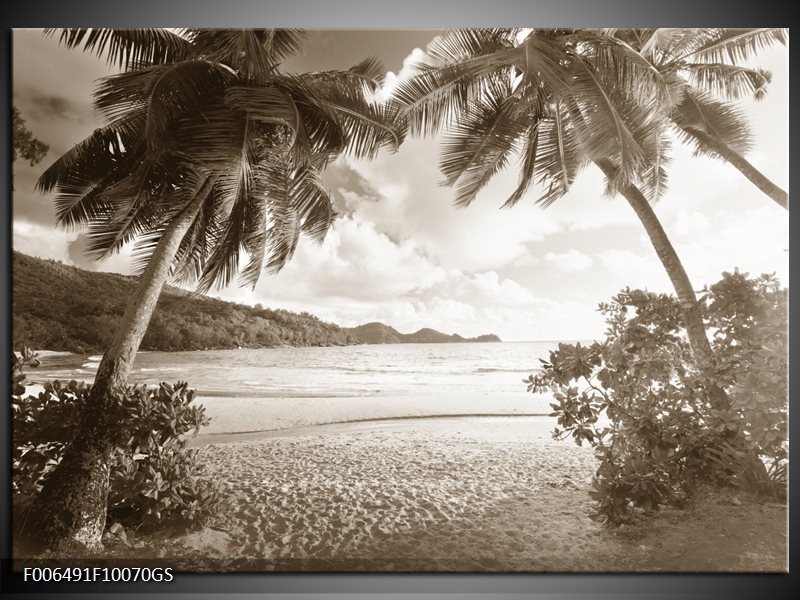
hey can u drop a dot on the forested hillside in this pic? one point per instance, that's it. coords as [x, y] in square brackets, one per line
[58, 307]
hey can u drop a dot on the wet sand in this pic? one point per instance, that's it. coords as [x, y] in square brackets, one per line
[247, 414]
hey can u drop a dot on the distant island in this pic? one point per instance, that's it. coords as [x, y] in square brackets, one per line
[380, 333]
[64, 308]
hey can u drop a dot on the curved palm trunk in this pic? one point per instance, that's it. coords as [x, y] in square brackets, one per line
[70, 510]
[695, 328]
[745, 167]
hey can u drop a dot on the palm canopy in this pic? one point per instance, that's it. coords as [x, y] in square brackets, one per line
[560, 99]
[704, 70]
[556, 99]
[210, 109]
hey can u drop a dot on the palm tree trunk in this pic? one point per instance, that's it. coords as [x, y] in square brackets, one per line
[728, 154]
[695, 328]
[70, 511]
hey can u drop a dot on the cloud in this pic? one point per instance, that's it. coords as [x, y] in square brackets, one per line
[626, 268]
[690, 223]
[412, 205]
[392, 79]
[570, 261]
[42, 241]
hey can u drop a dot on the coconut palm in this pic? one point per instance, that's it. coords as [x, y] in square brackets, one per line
[703, 68]
[562, 100]
[211, 153]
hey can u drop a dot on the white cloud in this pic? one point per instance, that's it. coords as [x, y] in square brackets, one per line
[392, 79]
[690, 223]
[570, 261]
[412, 205]
[637, 271]
[42, 241]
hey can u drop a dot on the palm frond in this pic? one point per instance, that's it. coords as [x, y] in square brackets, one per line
[254, 239]
[699, 111]
[733, 45]
[165, 93]
[479, 145]
[432, 97]
[654, 177]
[234, 187]
[272, 104]
[370, 73]
[157, 218]
[253, 53]
[365, 125]
[527, 170]
[312, 203]
[603, 119]
[128, 49]
[459, 45]
[284, 230]
[729, 82]
[622, 65]
[195, 246]
[81, 174]
[133, 201]
[559, 159]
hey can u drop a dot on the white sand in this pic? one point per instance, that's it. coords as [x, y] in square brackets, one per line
[475, 493]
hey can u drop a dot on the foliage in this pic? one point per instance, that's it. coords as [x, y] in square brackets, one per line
[154, 478]
[59, 307]
[637, 398]
[209, 115]
[25, 145]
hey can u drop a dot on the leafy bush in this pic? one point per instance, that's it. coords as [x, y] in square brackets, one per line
[639, 400]
[154, 479]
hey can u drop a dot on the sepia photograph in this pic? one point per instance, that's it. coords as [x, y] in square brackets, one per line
[471, 300]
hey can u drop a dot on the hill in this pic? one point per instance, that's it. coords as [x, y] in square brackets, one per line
[58, 307]
[379, 333]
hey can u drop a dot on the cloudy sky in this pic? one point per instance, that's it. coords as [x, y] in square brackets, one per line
[402, 254]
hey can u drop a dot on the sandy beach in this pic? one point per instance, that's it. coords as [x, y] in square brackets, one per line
[447, 493]
[431, 483]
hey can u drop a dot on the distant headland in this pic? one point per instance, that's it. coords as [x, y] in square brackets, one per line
[380, 333]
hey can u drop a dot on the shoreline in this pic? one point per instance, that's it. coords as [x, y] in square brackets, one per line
[351, 426]
[246, 414]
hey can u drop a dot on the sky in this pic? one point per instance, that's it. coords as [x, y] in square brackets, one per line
[402, 254]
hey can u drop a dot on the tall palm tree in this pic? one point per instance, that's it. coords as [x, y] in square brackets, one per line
[703, 68]
[563, 99]
[210, 153]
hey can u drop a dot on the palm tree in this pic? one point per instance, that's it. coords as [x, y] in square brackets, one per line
[563, 99]
[703, 69]
[210, 153]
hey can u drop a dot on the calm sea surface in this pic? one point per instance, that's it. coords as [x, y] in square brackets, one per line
[368, 370]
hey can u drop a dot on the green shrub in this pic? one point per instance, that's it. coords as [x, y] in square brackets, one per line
[639, 401]
[154, 478]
